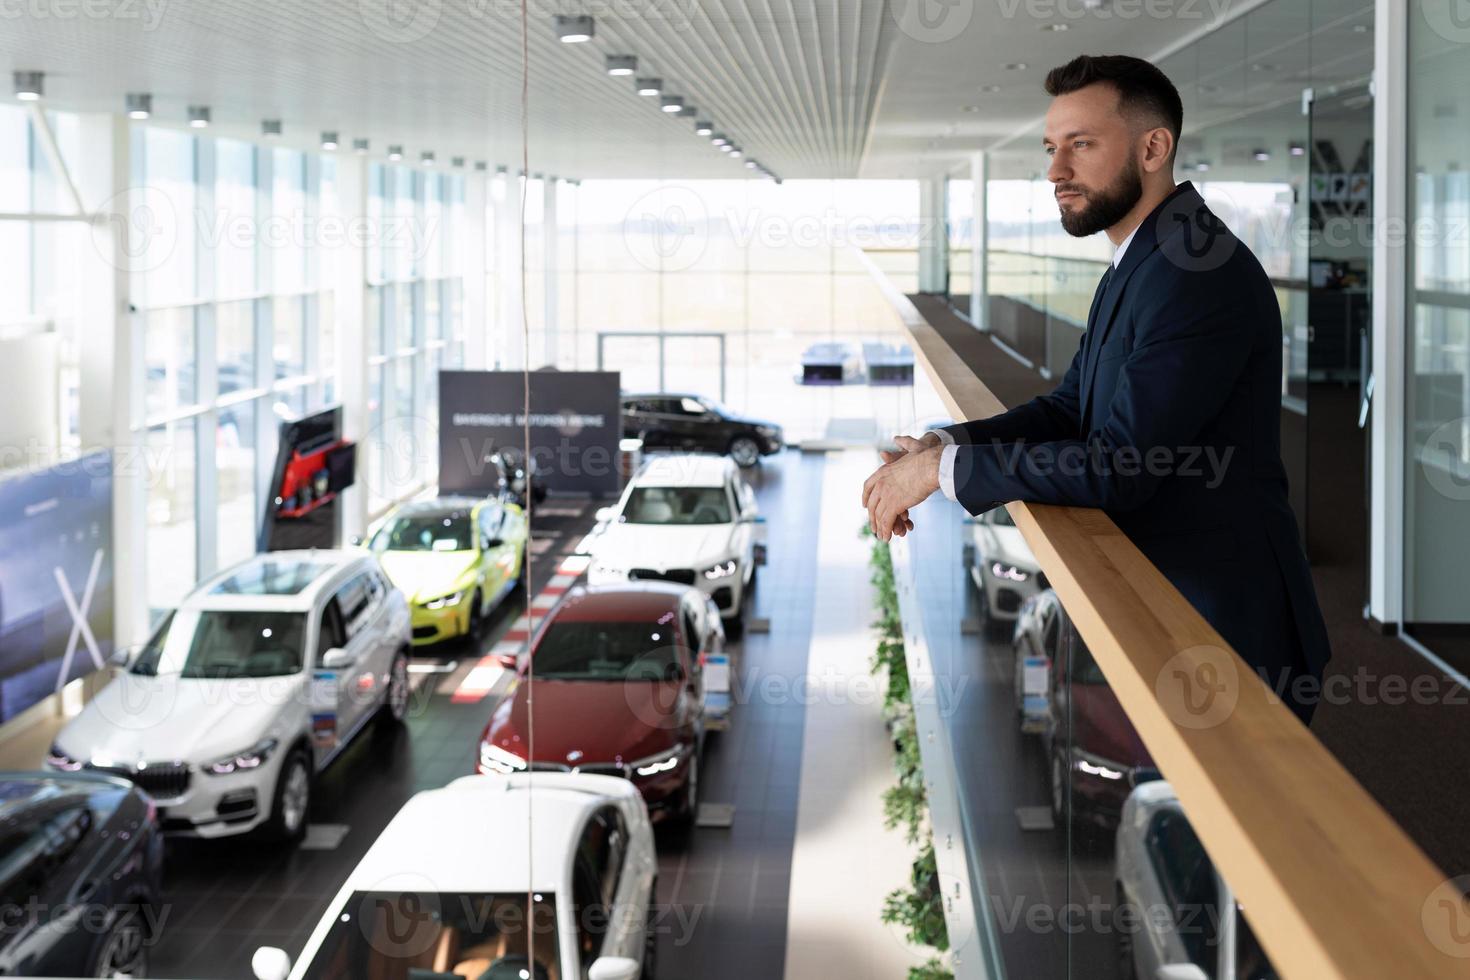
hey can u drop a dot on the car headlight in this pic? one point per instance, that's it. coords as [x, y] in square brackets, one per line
[1096, 765]
[57, 759]
[660, 763]
[768, 430]
[1008, 572]
[496, 759]
[721, 570]
[252, 758]
[445, 601]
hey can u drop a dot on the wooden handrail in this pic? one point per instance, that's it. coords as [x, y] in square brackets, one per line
[1332, 885]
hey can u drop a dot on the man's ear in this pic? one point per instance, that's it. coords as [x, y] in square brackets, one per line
[1158, 148]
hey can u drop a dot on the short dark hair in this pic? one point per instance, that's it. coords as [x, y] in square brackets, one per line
[1143, 91]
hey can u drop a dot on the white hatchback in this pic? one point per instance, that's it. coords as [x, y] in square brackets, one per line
[259, 678]
[444, 890]
[687, 518]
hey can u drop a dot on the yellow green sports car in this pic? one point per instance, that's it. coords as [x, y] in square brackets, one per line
[454, 558]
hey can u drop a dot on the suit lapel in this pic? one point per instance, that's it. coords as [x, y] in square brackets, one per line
[1145, 240]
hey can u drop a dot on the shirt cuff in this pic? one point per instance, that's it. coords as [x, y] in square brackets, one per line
[946, 469]
[946, 438]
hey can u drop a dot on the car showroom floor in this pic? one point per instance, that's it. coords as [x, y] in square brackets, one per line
[722, 892]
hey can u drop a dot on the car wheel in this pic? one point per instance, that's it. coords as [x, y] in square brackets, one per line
[124, 952]
[650, 941]
[744, 451]
[689, 811]
[395, 705]
[293, 798]
[1059, 787]
[476, 624]
[1127, 965]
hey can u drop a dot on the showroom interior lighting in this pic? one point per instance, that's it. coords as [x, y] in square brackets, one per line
[329, 141]
[271, 128]
[1297, 150]
[704, 128]
[360, 146]
[574, 30]
[501, 170]
[30, 85]
[199, 117]
[621, 64]
[395, 153]
[649, 86]
[481, 166]
[140, 105]
[719, 139]
[673, 103]
[427, 158]
[1262, 155]
[457, 162]
[735, 152]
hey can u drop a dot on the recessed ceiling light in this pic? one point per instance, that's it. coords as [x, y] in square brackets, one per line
[649, 86]
[969, 108]
[329, 141]
[736, 152]
[621, 64]
[501, 169]
[990, 88]
[270, 128]
[30, 85]
[1262, 155]
[574, 30]
[360, 146]
[719, 139]
[672, 103]
[481, 166]
[395, 153]
[199, 117]
[427, 158]
[1203, 166]
[1055, 27]
[1296, 149]
[1016, 66]
[725, 147]
[140, 105]
[704, 128]
[1361, 28]
[750, 164]
[457, 162]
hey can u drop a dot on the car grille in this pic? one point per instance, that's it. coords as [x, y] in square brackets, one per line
[162, 781]
[594, 768]
[684, 576]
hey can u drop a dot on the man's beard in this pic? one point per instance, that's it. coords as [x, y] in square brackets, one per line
[1104, 208]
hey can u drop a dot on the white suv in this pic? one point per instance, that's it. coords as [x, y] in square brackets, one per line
[443, 892]
[687, 518]
[259, 678]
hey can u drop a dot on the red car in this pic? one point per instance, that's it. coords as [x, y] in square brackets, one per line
[1095, 754]
[617, 674]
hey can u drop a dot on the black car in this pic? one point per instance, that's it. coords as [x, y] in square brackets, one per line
[698, 424]
[511, 476]
[80, 863]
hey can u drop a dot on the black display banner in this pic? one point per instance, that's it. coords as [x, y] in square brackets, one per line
[576, 423]
[56, 613]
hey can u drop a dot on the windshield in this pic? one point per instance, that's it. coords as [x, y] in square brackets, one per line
[677, 505]
[223, 644]
[607, 652]
[451, 532]
[403, 935]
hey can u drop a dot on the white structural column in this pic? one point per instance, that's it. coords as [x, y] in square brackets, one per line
[549, 239]
[473, 268]
[110, 353]
[1390, 258]
[933, 235]
[349, 305]
[979, 242]
[510, 352]
[843, 861]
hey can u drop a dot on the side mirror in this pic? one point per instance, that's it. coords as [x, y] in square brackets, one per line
[356, 542]
[605, 514]
[121, 657]
[614, 968]
[492, 543]
[270, 963]
[1180, 971]
[335, 659]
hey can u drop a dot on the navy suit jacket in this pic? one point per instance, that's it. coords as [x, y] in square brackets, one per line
[1169, 421]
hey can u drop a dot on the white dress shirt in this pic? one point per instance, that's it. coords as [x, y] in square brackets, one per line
[947, 455]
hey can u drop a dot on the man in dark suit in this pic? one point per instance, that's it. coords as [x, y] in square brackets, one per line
[1169, 416]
